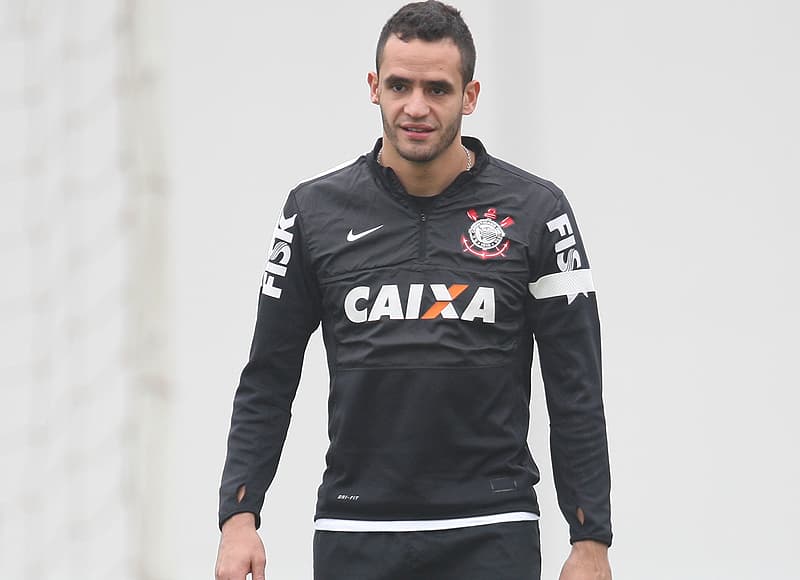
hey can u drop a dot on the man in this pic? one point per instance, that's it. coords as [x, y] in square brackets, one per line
[431, 266]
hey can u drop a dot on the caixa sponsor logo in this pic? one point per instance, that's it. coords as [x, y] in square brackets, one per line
[279, 255]
[361, 304]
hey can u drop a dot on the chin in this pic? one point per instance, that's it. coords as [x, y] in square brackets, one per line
[419, 157]
[419, 154]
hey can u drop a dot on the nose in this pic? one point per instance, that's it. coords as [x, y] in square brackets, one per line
[416, 106]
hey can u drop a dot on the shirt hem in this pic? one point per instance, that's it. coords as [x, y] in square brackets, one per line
[347, 525]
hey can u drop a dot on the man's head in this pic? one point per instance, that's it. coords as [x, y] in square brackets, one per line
[430, 21]
[424, 83]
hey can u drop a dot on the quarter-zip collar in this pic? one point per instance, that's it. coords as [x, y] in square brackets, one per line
[391, 183]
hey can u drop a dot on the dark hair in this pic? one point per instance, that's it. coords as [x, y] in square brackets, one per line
[431, 21]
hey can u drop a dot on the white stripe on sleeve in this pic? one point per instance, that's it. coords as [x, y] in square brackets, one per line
[568, 284]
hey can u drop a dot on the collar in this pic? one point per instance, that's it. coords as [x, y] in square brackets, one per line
[388, 178]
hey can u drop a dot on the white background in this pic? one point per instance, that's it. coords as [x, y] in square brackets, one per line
[673, 128]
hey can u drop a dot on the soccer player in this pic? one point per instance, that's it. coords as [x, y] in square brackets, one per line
[431, 266]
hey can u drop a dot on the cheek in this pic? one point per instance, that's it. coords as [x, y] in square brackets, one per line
[457, 109]
[388, 108]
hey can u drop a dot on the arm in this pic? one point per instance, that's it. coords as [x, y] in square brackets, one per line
[567, 329]
[288, 312]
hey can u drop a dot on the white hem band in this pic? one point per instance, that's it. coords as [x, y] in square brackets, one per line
[340, 525]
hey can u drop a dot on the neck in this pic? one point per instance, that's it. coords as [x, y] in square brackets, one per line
[429, 178]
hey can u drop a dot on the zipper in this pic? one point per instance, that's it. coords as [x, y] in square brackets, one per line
[423, 220]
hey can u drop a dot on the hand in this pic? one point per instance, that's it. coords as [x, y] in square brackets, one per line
[240, 550]
[588, 560]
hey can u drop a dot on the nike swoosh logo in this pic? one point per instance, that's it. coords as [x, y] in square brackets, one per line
[351, 237]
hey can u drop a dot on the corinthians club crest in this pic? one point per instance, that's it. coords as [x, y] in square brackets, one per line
[486, 237]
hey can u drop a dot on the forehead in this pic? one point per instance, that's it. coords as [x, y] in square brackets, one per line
[421, 59]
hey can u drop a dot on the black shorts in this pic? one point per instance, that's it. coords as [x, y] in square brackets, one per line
[502, 551]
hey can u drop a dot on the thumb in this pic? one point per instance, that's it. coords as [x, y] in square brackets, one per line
[565, 575]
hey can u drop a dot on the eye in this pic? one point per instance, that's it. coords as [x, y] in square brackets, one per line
[397, 87]
[438, 91]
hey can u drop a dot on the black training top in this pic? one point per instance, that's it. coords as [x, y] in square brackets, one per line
[429, 311]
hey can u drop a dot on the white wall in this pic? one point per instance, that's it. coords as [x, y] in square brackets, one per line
[672, 127]
[675, 125]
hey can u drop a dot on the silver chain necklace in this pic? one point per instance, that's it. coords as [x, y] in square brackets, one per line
[466, 152]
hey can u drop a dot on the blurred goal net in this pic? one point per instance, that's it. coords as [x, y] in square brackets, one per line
[84, 370]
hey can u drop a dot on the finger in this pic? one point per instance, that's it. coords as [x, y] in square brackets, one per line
[259, 567]
[232, 573]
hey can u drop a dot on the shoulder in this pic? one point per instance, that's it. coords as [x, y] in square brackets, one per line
[494, 171]
[527, 183]
[338, 178]
[536, 199]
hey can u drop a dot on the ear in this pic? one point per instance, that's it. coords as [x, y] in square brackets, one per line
[471, 92]
[372, 81]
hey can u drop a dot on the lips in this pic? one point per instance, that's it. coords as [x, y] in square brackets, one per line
[415, 131]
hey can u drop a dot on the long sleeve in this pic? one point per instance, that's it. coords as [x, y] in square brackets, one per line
[563, 309]
[288, 312]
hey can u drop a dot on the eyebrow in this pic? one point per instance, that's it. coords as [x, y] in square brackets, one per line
[393, 79]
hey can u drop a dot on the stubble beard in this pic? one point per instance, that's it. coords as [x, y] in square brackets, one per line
[422, 153]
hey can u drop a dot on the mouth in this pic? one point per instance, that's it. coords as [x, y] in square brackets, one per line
[417, 132]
